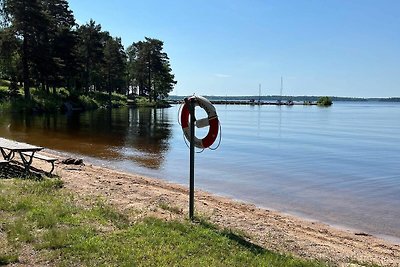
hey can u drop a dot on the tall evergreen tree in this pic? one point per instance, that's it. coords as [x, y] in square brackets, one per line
[8, 56]
[90, 51]
[41, 45]
[149, 69]
[161, 79]
[27, 20]
[59, 41]
[9, 59]
[137, 67]
[115, 65]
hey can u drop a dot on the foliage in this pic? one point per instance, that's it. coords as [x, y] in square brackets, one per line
[65, 229]
[90, 52]
[117, 100]
[114, 65]
[324, 101]
[4, 83]
[9, 58]
[142, 101]
[149, 69]
[27, 20]
[43, 102]
[95, 100]
[42, 47]
[87, 102]
[3, 93]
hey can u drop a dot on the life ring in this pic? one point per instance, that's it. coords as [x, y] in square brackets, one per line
[211, 120]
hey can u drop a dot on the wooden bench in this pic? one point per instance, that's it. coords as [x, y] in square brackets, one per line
[45, 158]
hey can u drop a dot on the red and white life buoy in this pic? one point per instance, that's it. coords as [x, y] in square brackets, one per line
[211, 120]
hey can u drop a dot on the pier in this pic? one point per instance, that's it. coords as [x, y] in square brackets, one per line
[253, 103]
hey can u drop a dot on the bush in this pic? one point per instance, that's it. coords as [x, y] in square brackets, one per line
[63, 93]
[3, 93]
[142, 101]
[87, 102]
[324, 101]
[103, 99]
[48, 102]
[4, 83]
[44, 101]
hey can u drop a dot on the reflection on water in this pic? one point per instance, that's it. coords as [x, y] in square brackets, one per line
[140, 135]
[148, 132]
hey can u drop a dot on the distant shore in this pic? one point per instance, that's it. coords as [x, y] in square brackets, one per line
[272, 230]
[284, 98]
[252, 102]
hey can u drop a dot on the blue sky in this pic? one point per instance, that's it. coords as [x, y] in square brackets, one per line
[221, 47]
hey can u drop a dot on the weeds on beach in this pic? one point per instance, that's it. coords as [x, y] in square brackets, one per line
[41, 223]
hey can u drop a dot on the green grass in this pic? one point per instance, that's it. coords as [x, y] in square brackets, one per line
[52, 102]
[117, 100]
[66, 230]
[43, 101]
[141, 101]
[173, 209]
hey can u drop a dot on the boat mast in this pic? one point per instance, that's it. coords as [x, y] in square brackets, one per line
[281, 87]
[259, 93]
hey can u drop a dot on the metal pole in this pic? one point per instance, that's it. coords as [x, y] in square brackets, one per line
[191, 187]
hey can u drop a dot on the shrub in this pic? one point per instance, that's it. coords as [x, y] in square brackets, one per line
[4, 83]
[3, 93]
[87, 102]
[142, 101]
[324, 101]
[103, 99]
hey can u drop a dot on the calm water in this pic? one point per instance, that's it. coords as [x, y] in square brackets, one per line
[339, 165]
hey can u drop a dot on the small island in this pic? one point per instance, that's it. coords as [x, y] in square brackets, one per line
[324, 101]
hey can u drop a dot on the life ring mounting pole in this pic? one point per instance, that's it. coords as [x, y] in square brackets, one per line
[188, 123]
[191, 104]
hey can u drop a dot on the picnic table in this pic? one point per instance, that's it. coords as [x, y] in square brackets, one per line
[25, 151]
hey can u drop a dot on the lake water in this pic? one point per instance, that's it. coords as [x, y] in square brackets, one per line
[338, 165]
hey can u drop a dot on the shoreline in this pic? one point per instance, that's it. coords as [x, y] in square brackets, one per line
[283, 210]
[302, 216]
[271, 229]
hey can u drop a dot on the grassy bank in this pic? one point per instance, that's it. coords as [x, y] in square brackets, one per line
[41, 224]
[62, 99]
[141, 101]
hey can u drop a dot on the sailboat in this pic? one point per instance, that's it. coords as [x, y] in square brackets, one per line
[289, 102]
[279, 102]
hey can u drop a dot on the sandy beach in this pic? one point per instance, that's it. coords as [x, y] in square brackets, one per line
[144, 196]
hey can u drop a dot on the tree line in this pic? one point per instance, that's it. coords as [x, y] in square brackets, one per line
[42, 46]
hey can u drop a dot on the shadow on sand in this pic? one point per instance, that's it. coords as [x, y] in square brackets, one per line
[13, 170]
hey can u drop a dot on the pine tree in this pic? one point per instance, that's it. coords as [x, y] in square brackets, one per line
[59, 41]
[115, 65]
[27, 20]
[149, 69]
[90, 52]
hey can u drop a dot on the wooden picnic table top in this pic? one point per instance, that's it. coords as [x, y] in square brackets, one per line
[18, 146]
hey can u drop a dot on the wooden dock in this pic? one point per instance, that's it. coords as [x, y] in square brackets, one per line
[252, 103]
